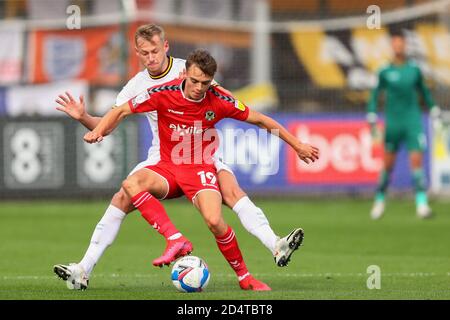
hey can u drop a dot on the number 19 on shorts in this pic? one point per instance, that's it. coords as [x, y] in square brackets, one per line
[207, 178]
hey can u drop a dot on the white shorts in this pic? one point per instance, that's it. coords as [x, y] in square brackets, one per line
[220, 165]
[150, 161]
[153, 158]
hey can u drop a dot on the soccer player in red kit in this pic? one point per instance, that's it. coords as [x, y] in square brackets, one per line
[187, 112]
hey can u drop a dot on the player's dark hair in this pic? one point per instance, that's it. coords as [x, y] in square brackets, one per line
[202, 59]
[148, 31]
[397, 33]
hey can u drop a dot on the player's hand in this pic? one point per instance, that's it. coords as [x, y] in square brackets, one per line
[307, 152]
[377, 140]
[375, 133]
[92, 137]
[372, 118]
[74, 109]
[436, 121]
[437, 124]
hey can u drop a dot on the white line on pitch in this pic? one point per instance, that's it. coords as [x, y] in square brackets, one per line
[288, 275]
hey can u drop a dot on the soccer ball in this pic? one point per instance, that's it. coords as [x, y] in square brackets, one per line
[190, 274]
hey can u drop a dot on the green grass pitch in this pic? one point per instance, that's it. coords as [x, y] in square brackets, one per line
[341, 242]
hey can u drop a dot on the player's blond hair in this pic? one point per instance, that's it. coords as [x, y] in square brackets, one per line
[204, 60]
[148, 31]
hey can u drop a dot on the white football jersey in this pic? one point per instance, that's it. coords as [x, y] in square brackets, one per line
[142, 81]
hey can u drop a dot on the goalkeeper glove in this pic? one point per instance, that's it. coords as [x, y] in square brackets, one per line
[371, 118]
[435, 114]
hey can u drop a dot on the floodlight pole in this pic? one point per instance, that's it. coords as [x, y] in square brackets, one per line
[260, 54]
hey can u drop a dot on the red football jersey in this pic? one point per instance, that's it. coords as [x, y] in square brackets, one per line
[186, 127]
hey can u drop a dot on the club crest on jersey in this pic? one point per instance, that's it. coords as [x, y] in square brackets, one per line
[210, 115]
[239, 105]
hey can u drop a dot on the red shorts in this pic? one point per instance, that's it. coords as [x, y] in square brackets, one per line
[186, 179]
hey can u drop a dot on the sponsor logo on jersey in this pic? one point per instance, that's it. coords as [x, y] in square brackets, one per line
[183, 129]
[174, 111]
[210, 115]
[239, 105]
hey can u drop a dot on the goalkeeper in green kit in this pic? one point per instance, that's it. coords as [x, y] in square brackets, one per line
[402, 82]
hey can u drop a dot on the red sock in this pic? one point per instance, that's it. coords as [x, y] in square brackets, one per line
[153, 211]
[229, 247]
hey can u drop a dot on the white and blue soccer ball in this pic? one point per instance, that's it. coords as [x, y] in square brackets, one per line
[190, 274]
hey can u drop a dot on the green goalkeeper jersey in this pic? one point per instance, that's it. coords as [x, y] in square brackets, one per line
[402, 85]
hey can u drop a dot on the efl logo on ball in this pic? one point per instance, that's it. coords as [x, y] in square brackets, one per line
[190, 274]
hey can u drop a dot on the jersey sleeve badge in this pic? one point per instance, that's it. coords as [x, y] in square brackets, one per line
[239, 105]
[140, 98]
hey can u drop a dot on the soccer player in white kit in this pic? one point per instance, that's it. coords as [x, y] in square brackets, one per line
[151, 49]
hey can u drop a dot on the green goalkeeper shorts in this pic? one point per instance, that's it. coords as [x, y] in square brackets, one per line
[412, 135]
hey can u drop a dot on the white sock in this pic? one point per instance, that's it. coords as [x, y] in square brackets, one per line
[104, 234]
[254, 220]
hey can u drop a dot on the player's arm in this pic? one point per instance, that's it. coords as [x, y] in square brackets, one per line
[304, 151]
[76, 110]
[372, 104]
[108, 123]
[140, 103]
[435, 111]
